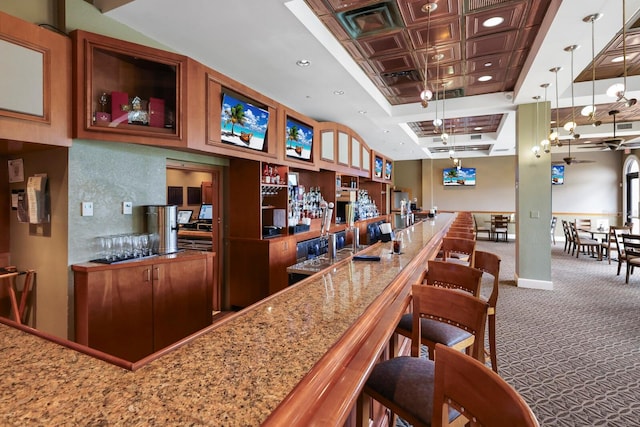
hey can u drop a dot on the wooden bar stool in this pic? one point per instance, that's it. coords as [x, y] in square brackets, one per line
[8, 276]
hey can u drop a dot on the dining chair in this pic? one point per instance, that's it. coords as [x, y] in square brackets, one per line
[500, 226]
[480, 396]
[622, 256]
[461, 234]
[554, 221]
[585, 244]
[488, 262]
[449, 276]
[569, 241]
[611, 242]
[404, 384]
[631, 244]
[481, 229]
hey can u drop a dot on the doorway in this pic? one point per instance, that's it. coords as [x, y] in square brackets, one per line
[196, 188]
[632, 193]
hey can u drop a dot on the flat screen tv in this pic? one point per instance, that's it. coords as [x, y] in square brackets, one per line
[557, 174]
[459, 177]
[377, 167]
[206, 213]
[388, 166]
[299, 140]
[243, 124]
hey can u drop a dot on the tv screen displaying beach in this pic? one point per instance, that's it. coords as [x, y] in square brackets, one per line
[377, 167]
[557, 174]
[459, 176]
[243, 124]
[299, 140]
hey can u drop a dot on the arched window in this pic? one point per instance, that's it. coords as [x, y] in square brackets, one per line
[631, 190]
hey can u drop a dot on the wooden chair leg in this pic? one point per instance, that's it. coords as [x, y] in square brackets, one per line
[492, 342]
[26, 291]
[363, 407]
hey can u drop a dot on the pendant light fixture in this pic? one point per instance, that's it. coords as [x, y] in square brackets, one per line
[544, 143]
[426, 94]
[444, 135]
[553, 136]
[536, 148]
[590, 110]
[437, 122]
[618, 90]
[570, 126]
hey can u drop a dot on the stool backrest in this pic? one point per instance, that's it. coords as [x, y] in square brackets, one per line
[477, 392]
[453, 276]
[452, 307]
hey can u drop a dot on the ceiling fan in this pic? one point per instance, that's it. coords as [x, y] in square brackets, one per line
[611, 143]
[571, 160]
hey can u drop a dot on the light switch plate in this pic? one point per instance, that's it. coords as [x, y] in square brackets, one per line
[87, 209]
[127, 208]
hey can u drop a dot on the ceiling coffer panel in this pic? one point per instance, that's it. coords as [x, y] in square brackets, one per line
[374, 19]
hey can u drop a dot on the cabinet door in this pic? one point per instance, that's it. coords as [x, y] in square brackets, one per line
[118, 306]
[180, 300]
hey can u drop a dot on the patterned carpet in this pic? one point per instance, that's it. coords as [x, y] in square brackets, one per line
[573, 353]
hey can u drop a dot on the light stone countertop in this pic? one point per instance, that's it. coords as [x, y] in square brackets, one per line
[235, 374]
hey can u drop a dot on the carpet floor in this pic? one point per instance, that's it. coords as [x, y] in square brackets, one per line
[573, 353]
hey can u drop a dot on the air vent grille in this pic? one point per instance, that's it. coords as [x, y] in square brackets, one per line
[475, 137]
[624, 126]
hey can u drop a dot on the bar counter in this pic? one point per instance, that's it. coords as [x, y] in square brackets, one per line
[298, 357]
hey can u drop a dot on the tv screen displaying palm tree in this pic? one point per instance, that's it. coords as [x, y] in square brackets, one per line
[243, 124]
[459, 177]
[557, 174]
[299, 140]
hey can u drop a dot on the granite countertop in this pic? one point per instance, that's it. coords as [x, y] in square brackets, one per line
[234, 374]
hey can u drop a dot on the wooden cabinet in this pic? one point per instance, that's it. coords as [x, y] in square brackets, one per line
[258, 268]
[253, 195]
[134, 309]
[36, 91]
[127, 92]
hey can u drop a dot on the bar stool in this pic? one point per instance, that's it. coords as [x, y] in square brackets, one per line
[8, 276]
[405, 384]
[490, 263]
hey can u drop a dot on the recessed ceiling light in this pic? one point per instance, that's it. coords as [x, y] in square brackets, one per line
[303, 63]
[493, 22]
[338, 92]
[618, 58]
[477, 128]
[386, 131]
[484, 78]
[488, 64]
[362, 112]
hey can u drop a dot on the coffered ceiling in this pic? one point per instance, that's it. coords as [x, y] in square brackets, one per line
[367, 62]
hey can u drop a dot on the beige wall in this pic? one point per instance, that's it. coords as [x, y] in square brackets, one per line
[590, 190]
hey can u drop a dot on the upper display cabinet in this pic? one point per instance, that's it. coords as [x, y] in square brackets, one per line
[127, 92]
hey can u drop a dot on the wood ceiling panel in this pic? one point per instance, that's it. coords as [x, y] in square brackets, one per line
[393, 63]
[494, 43]
[443, 32]
[512, 14]
[413, 15]
[389, 43]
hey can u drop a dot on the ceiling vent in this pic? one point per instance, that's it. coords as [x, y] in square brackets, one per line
[475, 137]
[371, 20]
[624, 126]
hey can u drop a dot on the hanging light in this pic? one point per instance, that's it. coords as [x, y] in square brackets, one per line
[426, 94]
[444, 135]
[544, 143]
[437, 122]
[590, 110]
[618, 90]
[553, 136]
[536, 148]
[570, 126]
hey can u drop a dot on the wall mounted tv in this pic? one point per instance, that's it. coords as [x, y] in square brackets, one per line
[461, 177]
[377, 167]
[299, 140]
[388, 167]
[557, 174]
[243, 124]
